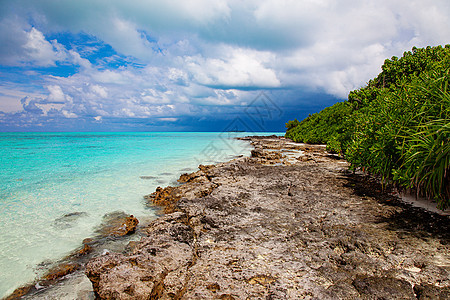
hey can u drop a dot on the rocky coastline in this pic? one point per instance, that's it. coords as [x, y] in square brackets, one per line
[289, 222]
[65, 279]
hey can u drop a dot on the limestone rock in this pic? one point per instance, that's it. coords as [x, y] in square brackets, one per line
[429, 292]
[383, 288]
[59, 271]
[258, 228]
[118, 224]
[19, 292]
[144, 273]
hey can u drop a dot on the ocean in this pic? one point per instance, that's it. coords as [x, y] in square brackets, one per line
[46, 176]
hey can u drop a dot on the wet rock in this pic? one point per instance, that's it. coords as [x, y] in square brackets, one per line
[304, 158]
[206, 168]
[165, 197]
[87, 247]
[88, 241]
[68, 220]
[56, 282]
[165, 174]
[202, 176]
[59, 272]
[84, 250]
[19, 292]
[186, 177]
[147, 177]
[131, 246]
[118, 224]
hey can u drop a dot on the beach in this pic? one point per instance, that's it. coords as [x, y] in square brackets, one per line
[289, 222]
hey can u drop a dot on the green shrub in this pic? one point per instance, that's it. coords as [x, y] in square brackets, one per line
[397, 127]
[319, 128]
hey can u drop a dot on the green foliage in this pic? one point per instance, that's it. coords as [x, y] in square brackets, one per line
[426, 143]
[319, 128]
[292, 124]
[397, 127]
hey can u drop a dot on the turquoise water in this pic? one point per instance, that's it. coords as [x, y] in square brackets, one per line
[45, 176]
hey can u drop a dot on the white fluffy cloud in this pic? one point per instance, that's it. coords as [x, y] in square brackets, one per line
[186, 57]
[22, 44]
[236, 67]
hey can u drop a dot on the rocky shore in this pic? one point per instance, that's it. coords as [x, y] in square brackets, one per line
[65, 279]
[289, 222]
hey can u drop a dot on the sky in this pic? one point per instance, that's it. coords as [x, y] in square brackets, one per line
[199, 65]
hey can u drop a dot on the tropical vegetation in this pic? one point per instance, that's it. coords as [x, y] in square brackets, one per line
[396, 127]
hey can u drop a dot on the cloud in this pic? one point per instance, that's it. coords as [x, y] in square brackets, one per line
[100, 91]
[172, 60]
[39, 51]
[13, 37]
[235, 68]
[22, 44]
[10, 97]
[56, 94]
[168, 119]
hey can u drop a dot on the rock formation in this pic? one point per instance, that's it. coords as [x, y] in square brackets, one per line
[280, 225]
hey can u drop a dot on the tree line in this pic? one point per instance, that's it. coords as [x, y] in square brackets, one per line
[396, 127]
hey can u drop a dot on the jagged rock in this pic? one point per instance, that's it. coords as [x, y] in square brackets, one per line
[259, 231]
[187, 177]
[60, 271]
[199, 186]
[85, 250]
[165, 197]
[304, 158]
[19, 292]
[114, 227]
[129, 226]
[87, 247]
[206, 168]
[198, 176]
[101, 265]
[144, 273]
[266, 157]
[201, 176]
[118, 224]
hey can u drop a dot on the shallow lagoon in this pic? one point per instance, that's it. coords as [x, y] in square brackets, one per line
[55, 187]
